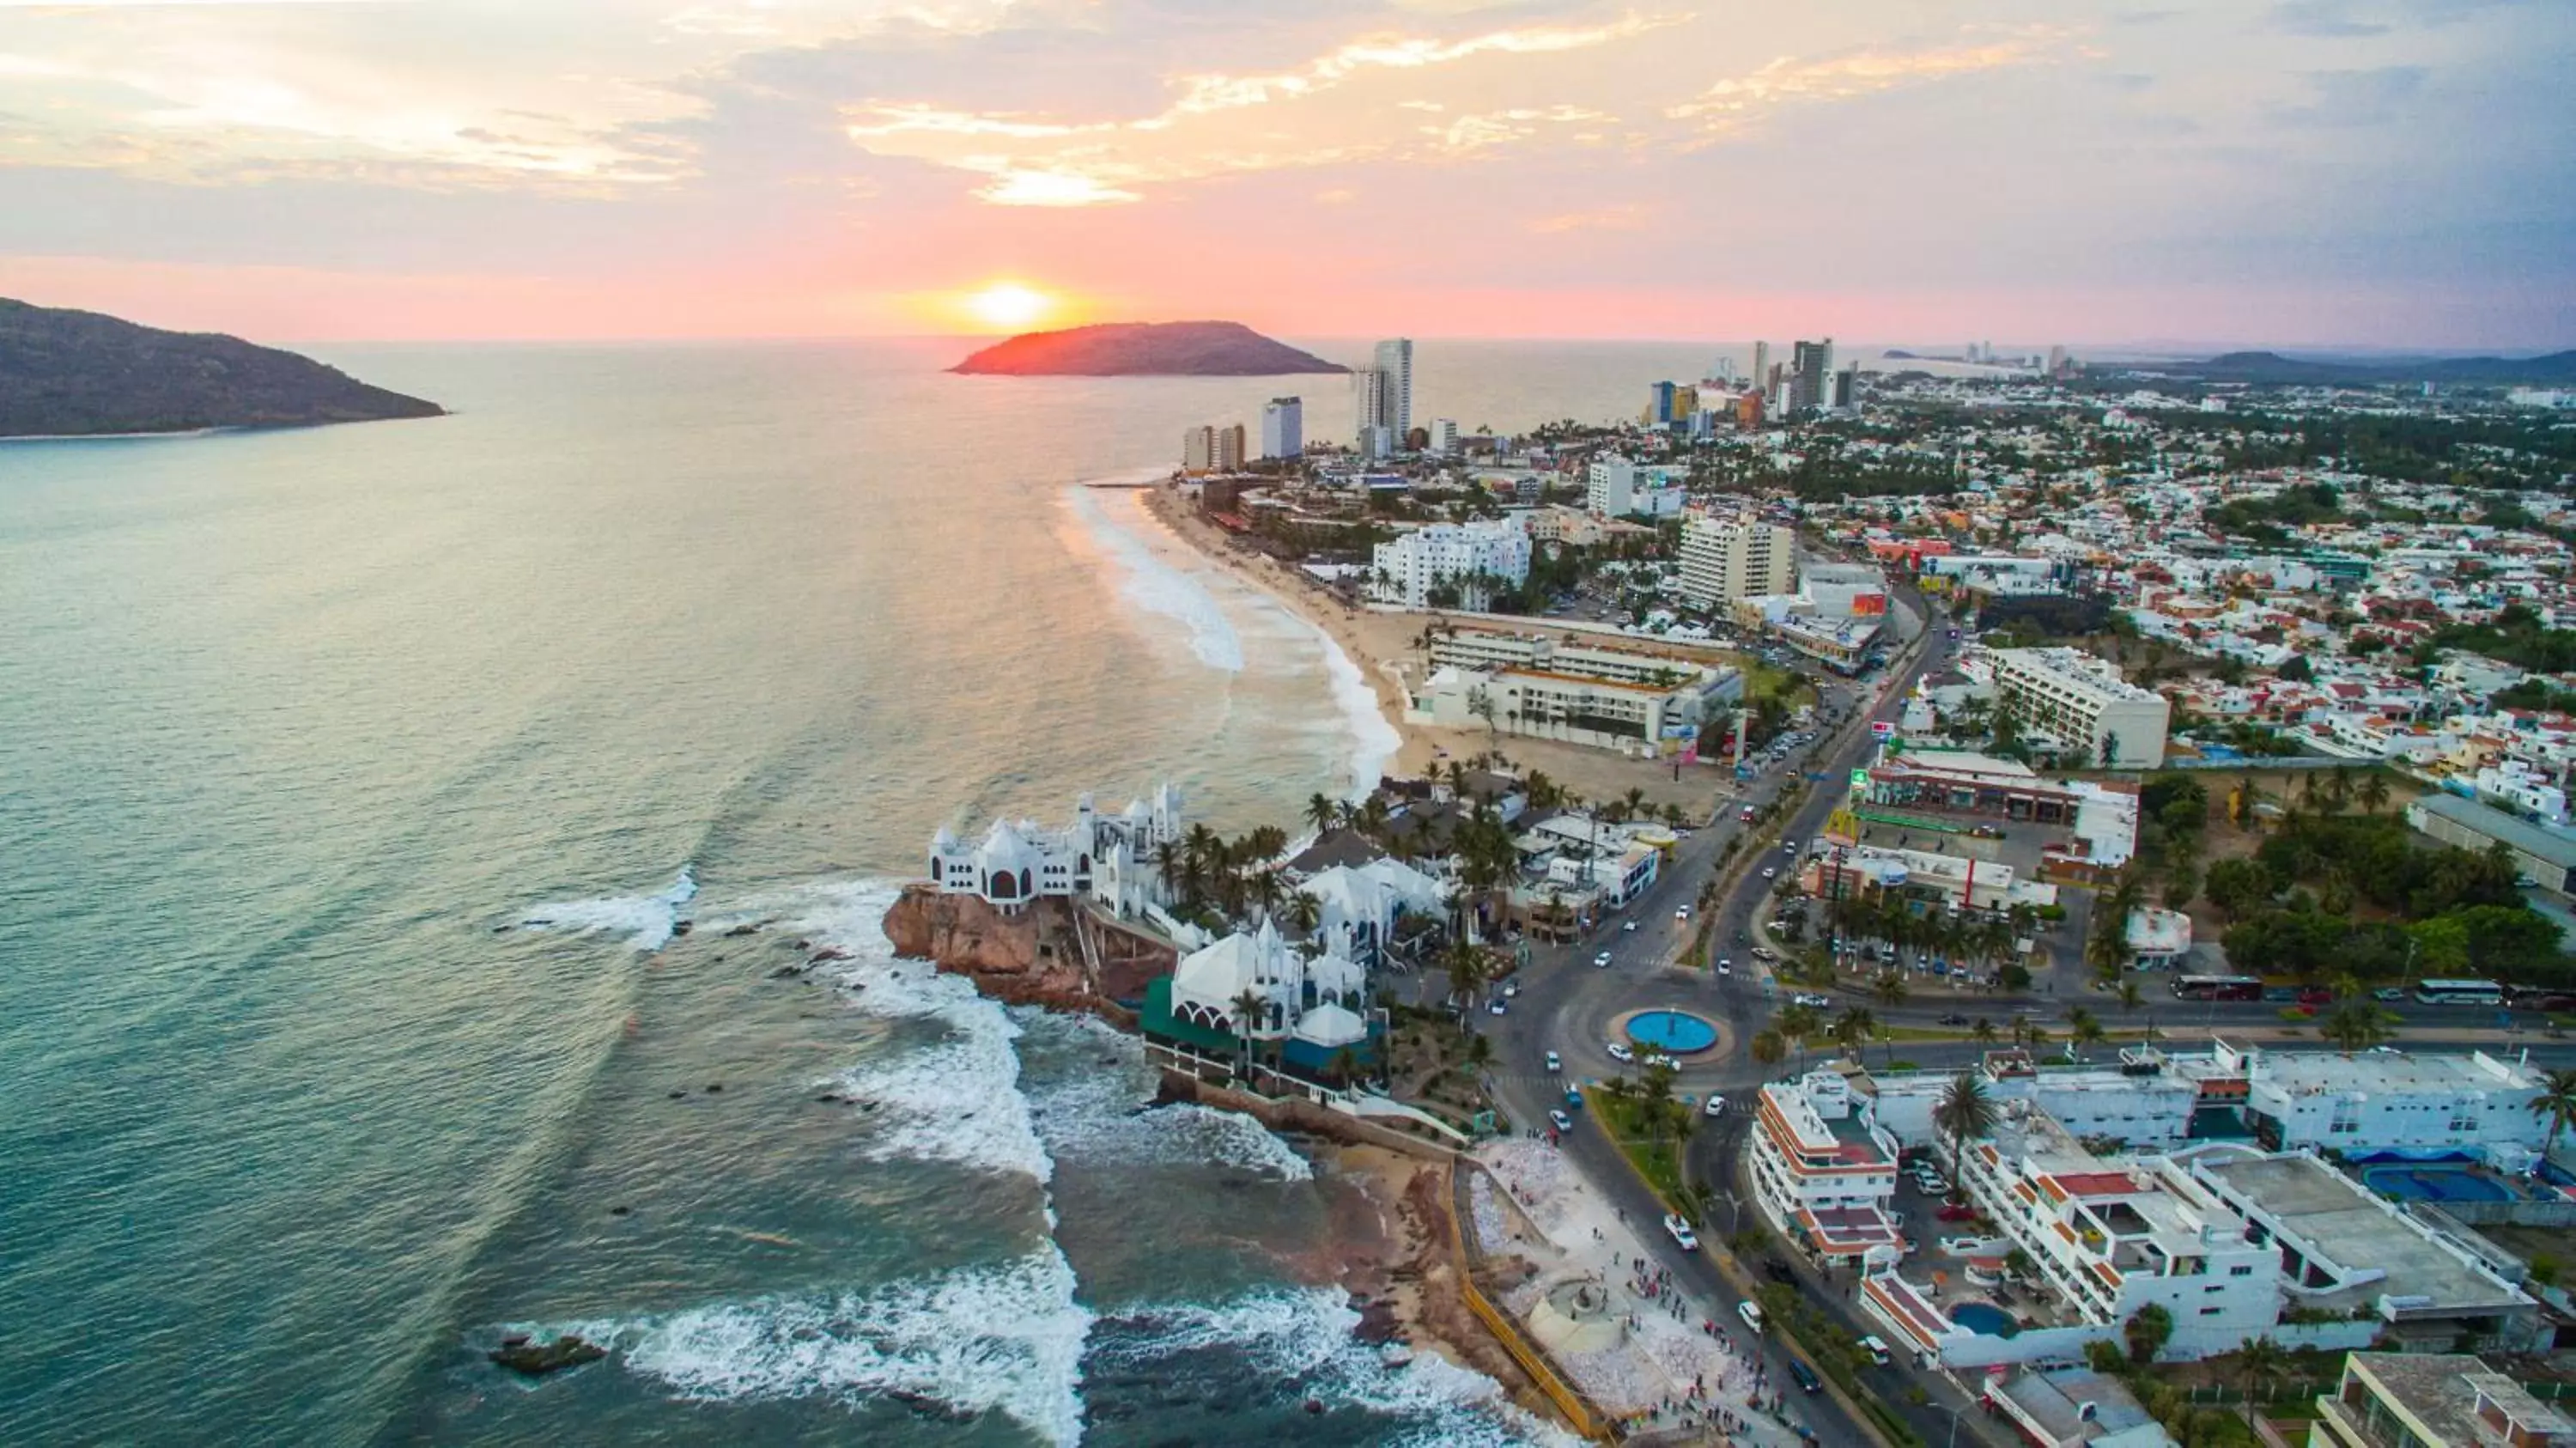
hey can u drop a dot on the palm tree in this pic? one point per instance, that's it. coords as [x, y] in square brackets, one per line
[2082, 1029]
[1346, 1066]
[1304, 914]
[1798, 1025]
[2357, 1025]
[2373, 791]
[1466, 966]
[1889, 989]
[1769, 1047]
[2131, 997]
[2557, 1101]
[1248, 1005]
[2257, 1360]
[1964, 1112]
[1854, 1028]
[1321, 812]
[1983, 1031]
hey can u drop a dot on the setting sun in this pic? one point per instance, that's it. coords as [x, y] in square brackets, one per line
[1008, 304]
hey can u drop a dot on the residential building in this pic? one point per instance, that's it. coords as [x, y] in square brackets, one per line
[1109, 858]
[1212, 449]
[1762, 370]
[1385, 390]
[2349, 1253]
[2156, 938]
[2084, 702]
[1823, 1171]
[1465, 557]
[1283, 428]
[2388, 1100]
[1646, 719]
[1490, 650]
[2109, 1237]
[1811, 375]
[2433, 1400]
[1614, 487]
[1444, 436]
[1359, 907]
[2074, 1408]
[2545, 855]
[1724, 560]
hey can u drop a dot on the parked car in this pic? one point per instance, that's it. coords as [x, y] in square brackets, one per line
[1497, 1006]
[1681, 912]
[1725, 965]
[1681, 1232]
[1511, 987]
[1629, 928]
[1764, 952]
[1619, 1052]
[1751, 1312]
[1779, 1271]
[1957, 1214]
[1562, 1122]
[2281, 995]
[1969, 1246]
[1876, 1349]
[1553, 1064]
[1769, 873]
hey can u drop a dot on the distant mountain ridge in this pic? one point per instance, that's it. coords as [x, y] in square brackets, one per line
[84, 374]
[1145, 349]
[2554, 369]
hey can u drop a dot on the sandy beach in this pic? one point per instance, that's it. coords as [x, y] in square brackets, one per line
[1386, 646]
[1394, 1253]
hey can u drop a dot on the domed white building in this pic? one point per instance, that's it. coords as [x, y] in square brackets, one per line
[1109, 858]
[1315, 1001]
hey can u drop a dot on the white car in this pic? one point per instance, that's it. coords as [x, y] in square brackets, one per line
[1562, 1122]
[1681, 1231]
[1970, 1247]
[1498, 1007]
[1511, 987]
[1716, 1105]
[1726, 967]
[1553, 1064]
[1817, 1001]
[1619, 1052]
[1601, 958]
[1769, 873]
[1681, 912]
[1751, 1312]
[1876, 1349]
[1629, 929]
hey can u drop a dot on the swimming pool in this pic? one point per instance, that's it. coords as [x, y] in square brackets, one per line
[1985, 1319]
[2425, 1183]
[1679, 1032]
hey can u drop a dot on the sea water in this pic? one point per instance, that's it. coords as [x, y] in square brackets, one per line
[356, 783]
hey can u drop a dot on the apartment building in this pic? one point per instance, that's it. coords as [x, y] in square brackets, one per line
[1823, 1170]
[2083, 701]
[2386, 1100]
[1640, 719]
[1489, 651]
[1466, 557]
[1730, 559]
[2111, 1237]
[2433, 1400]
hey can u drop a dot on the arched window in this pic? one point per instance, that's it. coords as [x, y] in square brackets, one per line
[1024, 881]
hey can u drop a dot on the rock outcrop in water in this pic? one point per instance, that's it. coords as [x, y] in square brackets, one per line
[81, 374]
[1033, 957]
[1145, 349]
[536, 1359]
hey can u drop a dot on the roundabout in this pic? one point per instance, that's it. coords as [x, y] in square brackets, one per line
[1673, 1032]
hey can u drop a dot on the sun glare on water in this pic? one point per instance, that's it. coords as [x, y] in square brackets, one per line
[1009, 305]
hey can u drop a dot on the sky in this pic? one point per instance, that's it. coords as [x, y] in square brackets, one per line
[2301, 173]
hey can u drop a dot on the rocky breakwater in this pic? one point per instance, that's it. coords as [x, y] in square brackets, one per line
[1049, 953]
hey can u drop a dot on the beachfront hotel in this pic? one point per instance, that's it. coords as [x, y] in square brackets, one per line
[2082, 700]
[1468, 557]
[1107, 858]
[1639, 703]
[1824, 1172]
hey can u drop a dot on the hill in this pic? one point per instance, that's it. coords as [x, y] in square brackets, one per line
[67, 373]
[1145, 349]
[2557, 368]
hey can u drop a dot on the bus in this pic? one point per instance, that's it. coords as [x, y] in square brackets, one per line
[2459, 993]
[2218, 988]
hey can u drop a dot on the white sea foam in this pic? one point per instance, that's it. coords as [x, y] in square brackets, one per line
[1158, 587]
[1103, 1115]
[1306, 1336]
[1374, 741]
[1007, 1337]
[645, 920]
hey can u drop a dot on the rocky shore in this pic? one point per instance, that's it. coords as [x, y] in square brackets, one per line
[1033, 956]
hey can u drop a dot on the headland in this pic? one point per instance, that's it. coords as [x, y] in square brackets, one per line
[1145, 349]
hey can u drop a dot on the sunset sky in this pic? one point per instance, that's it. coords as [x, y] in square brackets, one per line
[2307, 172]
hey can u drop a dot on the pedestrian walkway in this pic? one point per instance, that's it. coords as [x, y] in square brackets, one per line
[1621, 1326]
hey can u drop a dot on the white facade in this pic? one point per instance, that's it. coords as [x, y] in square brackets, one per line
[2389, 1100]
[1614, 487]
[1444, 435]
[1730, 560]
[1451, 553]
[1283, 428]
[1212, 449]
[1823, 1170]
[2083, 699]
[1109, 858]
[1385, 391]
[1318, 1001]
[1357, 906]
[2111, 1237]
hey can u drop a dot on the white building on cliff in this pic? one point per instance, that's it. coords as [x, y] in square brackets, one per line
[1108, 858]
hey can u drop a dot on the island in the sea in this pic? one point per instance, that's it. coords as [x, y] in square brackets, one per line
[68, 373]
[1145, 349]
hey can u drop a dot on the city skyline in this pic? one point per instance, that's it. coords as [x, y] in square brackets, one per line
[2308, 173]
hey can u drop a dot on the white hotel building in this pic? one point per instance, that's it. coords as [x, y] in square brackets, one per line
[1109, 858]
[1408, 568]
[2082, 700]
[2112, 1237]
[1824, 1171]
[1723, 561]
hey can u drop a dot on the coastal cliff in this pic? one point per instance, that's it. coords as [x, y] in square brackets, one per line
[81, 374]
[1145, 349]
[1033, 957]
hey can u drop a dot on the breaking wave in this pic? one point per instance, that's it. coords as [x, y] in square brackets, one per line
[645, 920]
[1158, 587]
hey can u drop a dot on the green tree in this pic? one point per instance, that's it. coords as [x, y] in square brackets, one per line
[2259, 1360]
[2238, 887]
[2373, 791]
[1964, 1113]
[1889, 989]
[2557, 1101]
[2146, 1332]
[2082, 1029]
[2357, 1025]
[1983, 1031]
[1769, 1048]
[1854, 1028]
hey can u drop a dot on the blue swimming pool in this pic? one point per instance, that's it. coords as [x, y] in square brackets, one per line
[1679, 1032]
[1985, 1319]
[2422, 1183]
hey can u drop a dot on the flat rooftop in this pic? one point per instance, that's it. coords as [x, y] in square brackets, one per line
[2305, 1073]
[2442, 1391]
[2557, 847]
[1965, 762]
[2321, 1205]
[2055, 1402]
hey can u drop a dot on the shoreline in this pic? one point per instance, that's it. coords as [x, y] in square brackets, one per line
[1381, 645]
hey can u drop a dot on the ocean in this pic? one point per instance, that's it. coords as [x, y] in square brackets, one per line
[355, 782]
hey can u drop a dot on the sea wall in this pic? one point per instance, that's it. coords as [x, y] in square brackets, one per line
[1296, 1114]
[1050, 953]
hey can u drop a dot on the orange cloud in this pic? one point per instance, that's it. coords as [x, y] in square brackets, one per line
[1738, 102]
